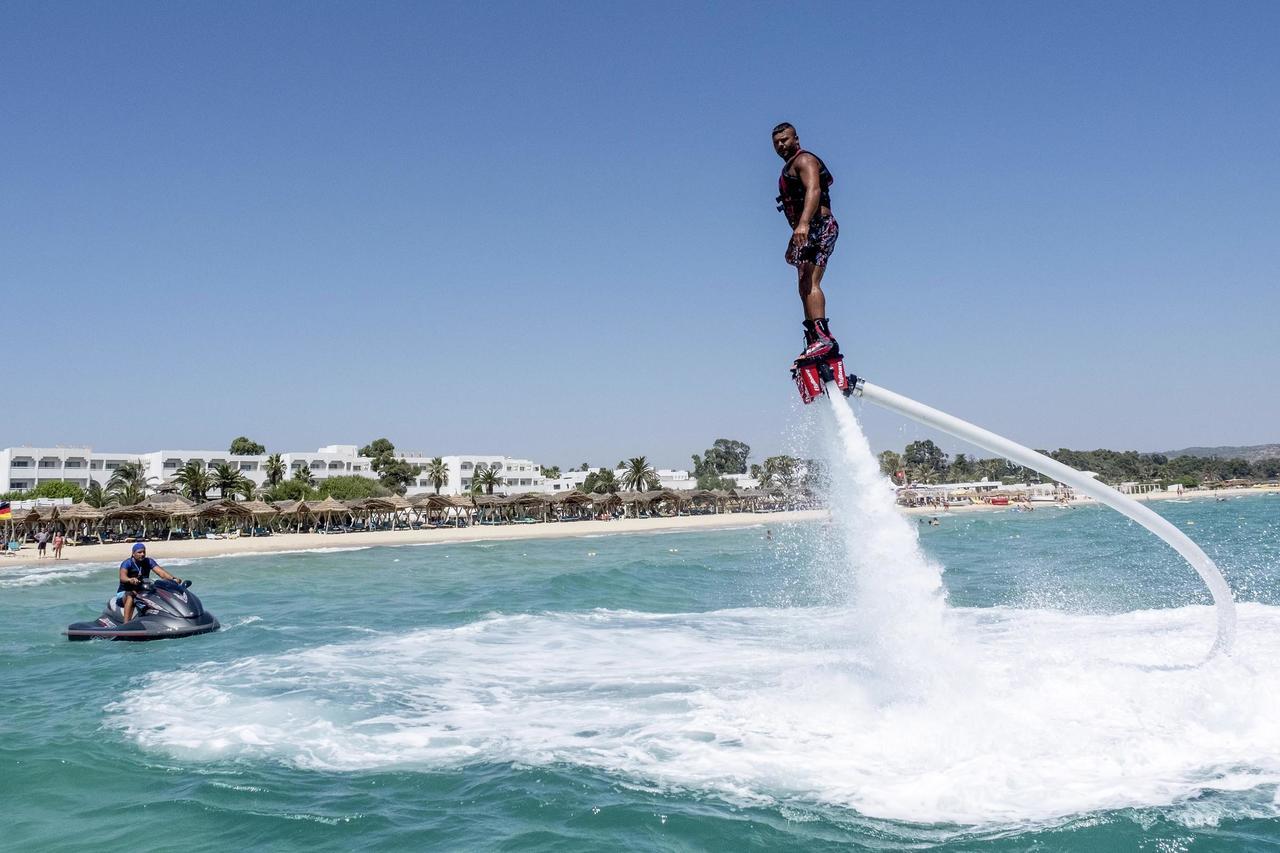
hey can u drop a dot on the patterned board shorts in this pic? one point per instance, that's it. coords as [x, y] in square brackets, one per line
[822, 242]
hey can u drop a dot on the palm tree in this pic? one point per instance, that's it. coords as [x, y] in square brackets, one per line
[600, 482]
[195, 480]
[639, 475]
[920, 473]
[303, 475]
[128, 483]
[227, 479]
[245, 488]
[992, 469]
[486, 477]
[437, 473]
[890, 463]
[607, 482]
[94, 495]
[275, 469]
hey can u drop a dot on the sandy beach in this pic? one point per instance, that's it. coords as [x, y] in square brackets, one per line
[555, 530]
[162, 550]
[1153, 497]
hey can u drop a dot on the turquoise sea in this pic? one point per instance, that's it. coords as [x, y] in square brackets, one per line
[686, 691]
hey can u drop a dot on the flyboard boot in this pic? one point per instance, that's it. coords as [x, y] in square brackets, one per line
[820, 363]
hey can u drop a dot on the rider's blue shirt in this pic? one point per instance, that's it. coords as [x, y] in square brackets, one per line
[136, 569]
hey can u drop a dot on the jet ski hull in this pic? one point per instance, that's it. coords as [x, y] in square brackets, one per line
[142, 628]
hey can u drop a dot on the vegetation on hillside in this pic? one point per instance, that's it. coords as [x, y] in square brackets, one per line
[925, 462]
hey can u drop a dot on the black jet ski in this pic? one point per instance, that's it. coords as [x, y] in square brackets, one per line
[162, 610]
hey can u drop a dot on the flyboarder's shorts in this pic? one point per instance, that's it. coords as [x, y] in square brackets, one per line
[823, 231]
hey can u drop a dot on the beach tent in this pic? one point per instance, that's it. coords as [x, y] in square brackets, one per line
[329, 507]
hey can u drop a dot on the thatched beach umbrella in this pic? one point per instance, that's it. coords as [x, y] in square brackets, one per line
[260, 512]
[78, 514]
[294, 510]
[327, 508]
[529, 503]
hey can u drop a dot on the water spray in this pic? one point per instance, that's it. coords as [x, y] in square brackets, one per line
[1077, 480]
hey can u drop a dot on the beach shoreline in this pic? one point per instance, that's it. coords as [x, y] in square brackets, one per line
[1084, 500]
[160, 549]
[297, 542]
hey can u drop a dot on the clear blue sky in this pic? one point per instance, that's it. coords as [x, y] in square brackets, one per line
[547, 229]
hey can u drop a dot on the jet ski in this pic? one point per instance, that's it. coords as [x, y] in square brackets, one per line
[163, 610]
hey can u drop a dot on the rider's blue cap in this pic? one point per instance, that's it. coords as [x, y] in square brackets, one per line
[138, 546]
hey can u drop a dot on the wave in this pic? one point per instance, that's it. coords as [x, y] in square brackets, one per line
[1055, 714]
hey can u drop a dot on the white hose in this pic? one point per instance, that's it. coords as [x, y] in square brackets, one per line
[1028, 458]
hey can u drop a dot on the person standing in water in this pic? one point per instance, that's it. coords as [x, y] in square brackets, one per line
[804, 198]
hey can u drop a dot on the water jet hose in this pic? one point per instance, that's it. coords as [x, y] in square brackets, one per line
[1028, 458]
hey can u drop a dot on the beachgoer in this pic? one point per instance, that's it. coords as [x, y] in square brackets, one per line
[804, 198]
[133, 573]
[42, 539]
[57, 545]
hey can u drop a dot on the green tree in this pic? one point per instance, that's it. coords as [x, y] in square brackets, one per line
[129, 483]
[378, 447]
[724, 456]
[397, 474]
[991, 469]
[600, 482]
[289, 490]
[95, 495]
[925, 454]
[437, 472]
[56, 489]
[813, 477]
[638, 475]
[228, 480]
[961, 470]
[890, 463]
[302, 474]
[195, 479]
[551, 472]
[243, 446]
[275, 469]
[394, 473]
[485, 477]
[350, 487]
[783, 470]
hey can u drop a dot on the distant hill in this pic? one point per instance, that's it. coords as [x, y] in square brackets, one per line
[1249, 454]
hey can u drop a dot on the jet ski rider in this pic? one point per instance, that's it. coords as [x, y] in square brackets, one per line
[134, 573]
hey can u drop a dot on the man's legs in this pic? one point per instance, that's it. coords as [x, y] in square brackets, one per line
[128, 607]
[817, 337]
[811, 295]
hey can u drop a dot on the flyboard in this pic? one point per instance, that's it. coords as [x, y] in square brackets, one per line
[827, 376]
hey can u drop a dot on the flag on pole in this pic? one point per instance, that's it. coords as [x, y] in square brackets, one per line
[6, 513]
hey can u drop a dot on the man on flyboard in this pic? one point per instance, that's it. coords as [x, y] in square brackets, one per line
[804, 198]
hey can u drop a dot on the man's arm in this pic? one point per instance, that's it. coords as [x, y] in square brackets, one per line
[124, 578]
[160, 570]
[806, 167]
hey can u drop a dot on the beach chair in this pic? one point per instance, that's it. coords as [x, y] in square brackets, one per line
[12, 547]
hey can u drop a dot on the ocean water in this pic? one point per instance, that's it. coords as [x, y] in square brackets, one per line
[1003, 681]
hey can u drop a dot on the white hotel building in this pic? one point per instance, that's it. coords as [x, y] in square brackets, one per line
[23, 468]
